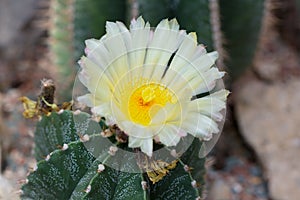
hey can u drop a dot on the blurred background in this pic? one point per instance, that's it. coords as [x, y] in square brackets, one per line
[257, 155]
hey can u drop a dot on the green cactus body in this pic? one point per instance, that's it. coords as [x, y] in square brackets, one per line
[70, 171]
[66, 168]
[241, 23]
[72, 22]
[230, 27]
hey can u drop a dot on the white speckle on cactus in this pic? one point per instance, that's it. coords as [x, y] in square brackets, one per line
[60, 111]
[198, 198]
[88, 189]
[195, 184]
[85, 138]
[76, 112]
[47, 157]
[144, 185]
[102, 134]
[65, 147]
[100, 168]
[187, 168]
[174, 153]
[112, 150]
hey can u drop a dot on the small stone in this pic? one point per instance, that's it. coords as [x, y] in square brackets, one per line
[237, 188]
[220, 190]
[255, 171]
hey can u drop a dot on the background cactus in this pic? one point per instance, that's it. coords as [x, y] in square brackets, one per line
[230, 27]
[71, 23]
[66, 169]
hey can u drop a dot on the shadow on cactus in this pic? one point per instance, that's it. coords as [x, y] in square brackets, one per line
[156, 109]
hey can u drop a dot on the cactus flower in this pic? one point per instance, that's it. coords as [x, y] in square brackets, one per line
[146, 80]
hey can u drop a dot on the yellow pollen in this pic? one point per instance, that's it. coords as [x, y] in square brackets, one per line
[148, 94]
[146, 101]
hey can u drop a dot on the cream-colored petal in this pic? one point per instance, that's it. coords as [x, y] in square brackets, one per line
[169, 135]
[91, 44]
[199, 78]
[89, 100]
[206, 82]
[102, 110]
[166, 40]
[147, 146]
[139, 136]
[140, 33]
[95, 80]
[185, 52]
[115, 43]
[136, 130]
[199, 125]
[210, 105]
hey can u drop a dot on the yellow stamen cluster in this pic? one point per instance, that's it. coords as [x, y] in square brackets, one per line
[147, 100]
[157, 169]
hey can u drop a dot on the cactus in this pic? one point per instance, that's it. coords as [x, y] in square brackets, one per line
[241, 22]
[230, 27]
[72, 22]
[67, 170]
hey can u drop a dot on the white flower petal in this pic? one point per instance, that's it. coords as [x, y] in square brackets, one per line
[147, 146]
[198, 74]
[206, 82]
[95, 79]
[185, 52]
[102, 110]
[199, 125]
[123, 68]
[210, 105]
[140, 34]
[89, 100]
[166, 40]
[91, 44]
[169, 135]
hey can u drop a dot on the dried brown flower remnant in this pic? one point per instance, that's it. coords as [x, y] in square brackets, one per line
[45, 102]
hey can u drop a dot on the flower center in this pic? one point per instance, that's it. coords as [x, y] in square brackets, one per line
[147, 100]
